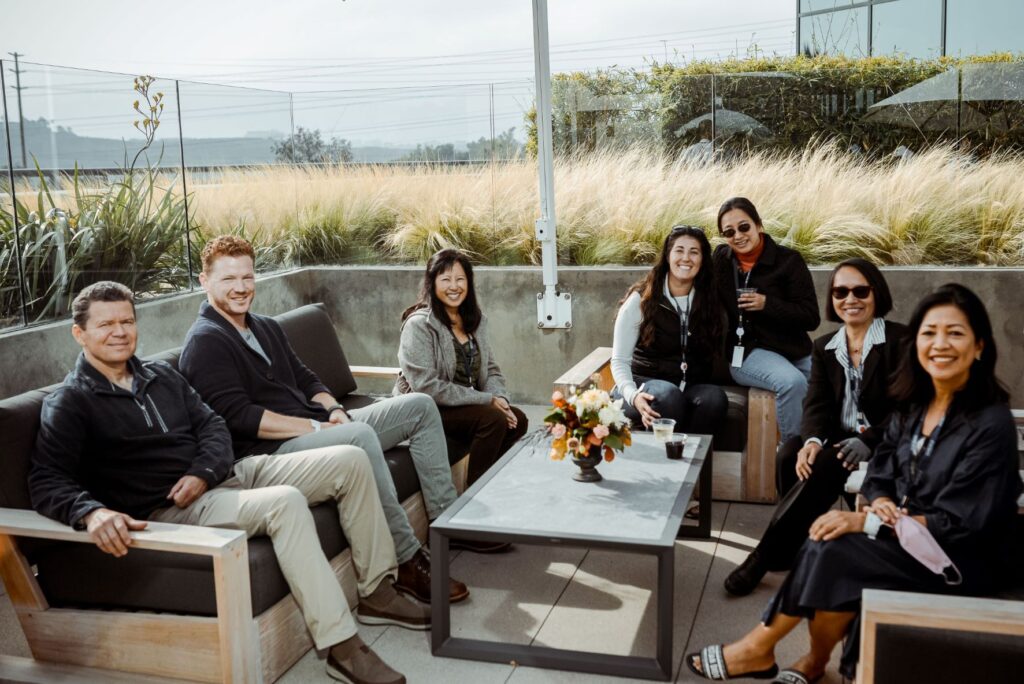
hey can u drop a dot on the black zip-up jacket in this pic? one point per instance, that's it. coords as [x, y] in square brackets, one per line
[790, 308]
[238, 383]
[966, 489]
[101, 446]
[660, 359]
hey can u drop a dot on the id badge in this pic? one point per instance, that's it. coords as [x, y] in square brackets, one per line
[737, 356]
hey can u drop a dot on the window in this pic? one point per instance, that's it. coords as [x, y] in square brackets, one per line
[980, 27]
[835, 33]
[912, 28]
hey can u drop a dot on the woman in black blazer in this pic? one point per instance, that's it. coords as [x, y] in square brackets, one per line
[943, 486]
[844, 415]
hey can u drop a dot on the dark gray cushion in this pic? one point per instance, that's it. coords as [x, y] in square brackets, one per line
[312, 336]
[732, 436]
[81, 575]
[917, 654]
[19, 423]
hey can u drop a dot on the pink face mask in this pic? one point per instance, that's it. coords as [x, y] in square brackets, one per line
[919, 543]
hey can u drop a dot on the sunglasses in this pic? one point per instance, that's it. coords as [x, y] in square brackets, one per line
[860, 292]
[730, 233]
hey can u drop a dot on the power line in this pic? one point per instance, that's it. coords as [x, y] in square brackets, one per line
[21, 118]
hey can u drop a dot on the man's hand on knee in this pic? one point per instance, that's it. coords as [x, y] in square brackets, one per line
[186, 490]
[111, 531]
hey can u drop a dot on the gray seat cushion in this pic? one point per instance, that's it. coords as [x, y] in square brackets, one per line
[81, 575]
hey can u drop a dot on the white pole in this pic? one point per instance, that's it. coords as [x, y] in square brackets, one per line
[554, 308]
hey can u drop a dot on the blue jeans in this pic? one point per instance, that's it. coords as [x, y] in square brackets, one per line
[380, 426]
[788, 379]
[700, 408]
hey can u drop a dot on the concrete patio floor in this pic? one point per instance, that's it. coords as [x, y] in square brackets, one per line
[570, 598]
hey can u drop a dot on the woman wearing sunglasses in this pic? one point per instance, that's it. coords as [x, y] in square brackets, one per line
[844, 415]
[769, 297]
[943, 486]
[668, 332]
[445, 352]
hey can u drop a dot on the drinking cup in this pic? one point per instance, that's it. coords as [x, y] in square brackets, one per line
[663, 428]
[674, 447]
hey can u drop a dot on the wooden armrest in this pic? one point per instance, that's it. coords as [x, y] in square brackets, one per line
[374, 371]
[580, 375]
[958, 613]
[192, 539]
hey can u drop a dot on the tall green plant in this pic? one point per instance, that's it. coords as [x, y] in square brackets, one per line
[133, 231]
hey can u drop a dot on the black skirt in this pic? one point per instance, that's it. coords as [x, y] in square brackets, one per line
[832, 575]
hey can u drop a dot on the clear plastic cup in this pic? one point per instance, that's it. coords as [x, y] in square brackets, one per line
[740, 291]
[663, 428]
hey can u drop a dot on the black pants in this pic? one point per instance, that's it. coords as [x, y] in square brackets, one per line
[485, 429]
[801, 504]
[701, 408]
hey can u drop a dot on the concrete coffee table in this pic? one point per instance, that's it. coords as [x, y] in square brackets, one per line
[526, 498]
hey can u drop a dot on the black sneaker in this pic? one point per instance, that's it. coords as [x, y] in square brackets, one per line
[745, 578]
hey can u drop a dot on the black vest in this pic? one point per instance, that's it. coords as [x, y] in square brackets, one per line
[660, 359]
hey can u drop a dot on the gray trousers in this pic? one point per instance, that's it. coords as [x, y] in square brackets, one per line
[381, 426]
[272, 494]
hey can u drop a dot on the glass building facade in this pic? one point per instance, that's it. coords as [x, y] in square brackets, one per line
[913, 28]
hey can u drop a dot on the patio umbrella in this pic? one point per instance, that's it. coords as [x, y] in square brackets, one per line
[728, 122]
[986, 90]
[930, 105]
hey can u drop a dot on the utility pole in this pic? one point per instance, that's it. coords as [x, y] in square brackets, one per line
[664, 44]
[21, 119]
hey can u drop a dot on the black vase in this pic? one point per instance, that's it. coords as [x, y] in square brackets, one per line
[588, 465]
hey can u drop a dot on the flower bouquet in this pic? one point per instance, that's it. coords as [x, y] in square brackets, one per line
[587, 425]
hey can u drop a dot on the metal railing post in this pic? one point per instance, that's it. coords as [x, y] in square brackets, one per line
[554, 308]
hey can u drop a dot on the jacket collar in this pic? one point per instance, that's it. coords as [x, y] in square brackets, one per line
[88, 375]
[768, 256]
[956, 417]
[208, 312]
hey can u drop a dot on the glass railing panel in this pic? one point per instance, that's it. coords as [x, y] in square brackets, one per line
[98, 191]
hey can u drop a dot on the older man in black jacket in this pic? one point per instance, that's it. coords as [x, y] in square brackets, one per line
[123, 441]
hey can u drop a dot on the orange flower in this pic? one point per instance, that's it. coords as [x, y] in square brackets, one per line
[609, 454]
[593, 439]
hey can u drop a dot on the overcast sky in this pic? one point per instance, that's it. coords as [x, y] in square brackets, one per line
[394, 71]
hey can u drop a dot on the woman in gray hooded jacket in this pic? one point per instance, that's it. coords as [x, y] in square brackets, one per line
[445, 352]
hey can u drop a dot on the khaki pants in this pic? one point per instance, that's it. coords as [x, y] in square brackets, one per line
[271, 495]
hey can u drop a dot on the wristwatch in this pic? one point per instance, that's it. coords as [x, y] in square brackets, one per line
[335, 407]
[315, 423]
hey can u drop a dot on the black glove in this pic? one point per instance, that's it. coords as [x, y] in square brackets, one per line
[853, 451]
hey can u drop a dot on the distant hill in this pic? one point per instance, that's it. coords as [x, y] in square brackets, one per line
[62, 148]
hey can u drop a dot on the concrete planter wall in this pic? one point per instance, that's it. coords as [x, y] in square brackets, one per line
[366, 305]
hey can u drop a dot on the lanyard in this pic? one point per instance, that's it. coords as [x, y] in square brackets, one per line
[684, 332]
[468, 356]
[746, 283]
[925, 447]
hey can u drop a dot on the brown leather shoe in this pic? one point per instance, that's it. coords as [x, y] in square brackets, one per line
[385, 606]
[364, 667]
[414, 579]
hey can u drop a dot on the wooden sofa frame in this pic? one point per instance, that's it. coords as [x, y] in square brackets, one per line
[959, 613]
[739, 476]
[235, 646]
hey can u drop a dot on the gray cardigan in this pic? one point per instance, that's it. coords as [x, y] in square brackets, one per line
[426, 356]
